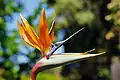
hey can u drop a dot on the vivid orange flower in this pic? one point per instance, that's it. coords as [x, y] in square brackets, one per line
[42, 41]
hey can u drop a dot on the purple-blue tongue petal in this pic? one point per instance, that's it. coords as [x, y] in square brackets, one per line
[55, 46]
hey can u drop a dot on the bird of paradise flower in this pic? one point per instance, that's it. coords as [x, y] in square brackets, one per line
[43, 42]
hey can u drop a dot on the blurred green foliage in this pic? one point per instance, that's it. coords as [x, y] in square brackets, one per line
[102, 26]
[46, 76]
[101, 21]
[8, 44]
[114, 18]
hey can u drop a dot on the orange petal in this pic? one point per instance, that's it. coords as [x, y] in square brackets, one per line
[43, 32]
[27, 37]
[51, 32]
[30, 31]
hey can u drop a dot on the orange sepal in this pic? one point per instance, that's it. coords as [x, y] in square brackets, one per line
[43, 32]
[30, 31]
[51, 32]
[26, 37]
